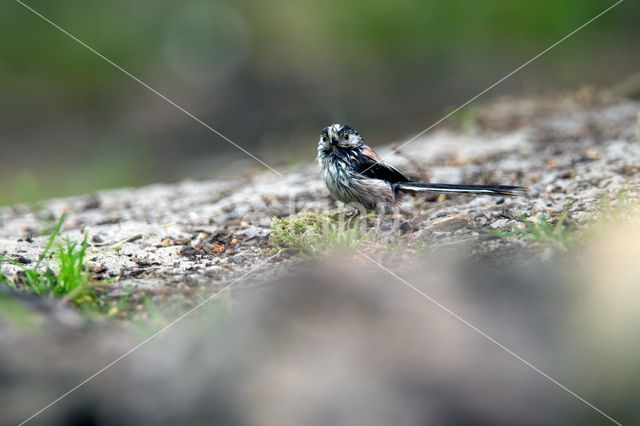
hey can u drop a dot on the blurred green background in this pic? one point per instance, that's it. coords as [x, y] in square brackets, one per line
[269, 75]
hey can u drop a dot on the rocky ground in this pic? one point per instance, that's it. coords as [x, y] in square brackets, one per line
[187, 240]
[166, 238]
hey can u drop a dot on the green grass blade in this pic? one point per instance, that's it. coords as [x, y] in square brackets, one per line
[52, 237]
[544, 225]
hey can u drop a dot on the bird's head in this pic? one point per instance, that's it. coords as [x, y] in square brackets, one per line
[339, 136]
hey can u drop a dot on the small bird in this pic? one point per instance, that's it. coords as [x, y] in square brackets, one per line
[355, 174]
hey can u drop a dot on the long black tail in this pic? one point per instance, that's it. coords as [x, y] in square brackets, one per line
[460, 189]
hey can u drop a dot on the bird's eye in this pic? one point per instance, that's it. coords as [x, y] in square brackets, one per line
[324, 139]
[346, 136]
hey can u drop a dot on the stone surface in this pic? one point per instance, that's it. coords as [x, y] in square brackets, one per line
[572, 155]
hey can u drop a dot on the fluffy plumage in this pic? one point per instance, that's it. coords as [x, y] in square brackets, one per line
[355, 174]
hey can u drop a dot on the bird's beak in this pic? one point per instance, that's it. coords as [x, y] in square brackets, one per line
[333, 137]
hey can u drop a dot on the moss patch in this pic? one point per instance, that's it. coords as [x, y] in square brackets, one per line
[317, 234]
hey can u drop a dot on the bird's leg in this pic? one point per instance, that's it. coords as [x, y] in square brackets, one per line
[379, 225]
[353, 212]
[380, 210]
[356, 210]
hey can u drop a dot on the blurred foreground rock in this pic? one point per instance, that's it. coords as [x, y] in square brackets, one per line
[346, 347]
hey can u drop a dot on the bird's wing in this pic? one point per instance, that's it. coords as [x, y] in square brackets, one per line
[368, 152]
[371, 165]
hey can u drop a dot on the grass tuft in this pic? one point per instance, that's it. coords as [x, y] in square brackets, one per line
[542, 230]
[68, 278]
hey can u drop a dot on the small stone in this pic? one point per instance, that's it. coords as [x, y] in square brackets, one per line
[448, 224]
[188, 251]
[591, 154]
[199, 241]
[23, 260]
[217, 249]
